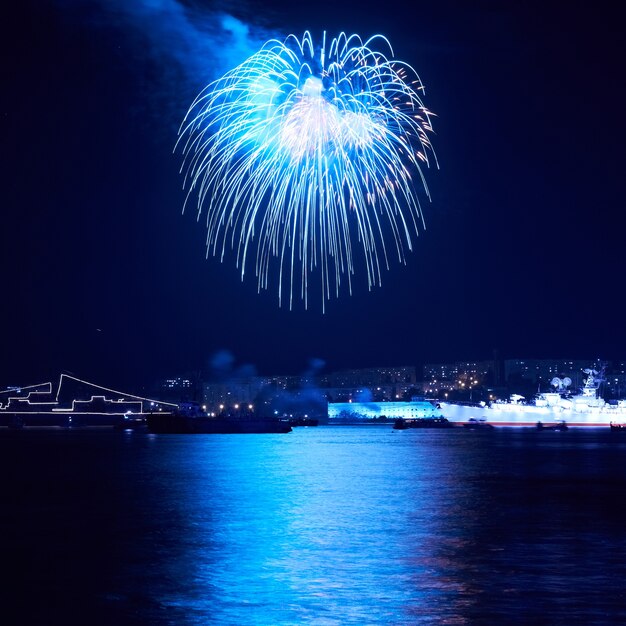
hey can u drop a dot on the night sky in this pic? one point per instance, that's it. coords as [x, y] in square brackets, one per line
[104, 277]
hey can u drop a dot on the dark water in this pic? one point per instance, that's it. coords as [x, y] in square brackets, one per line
[328, 525]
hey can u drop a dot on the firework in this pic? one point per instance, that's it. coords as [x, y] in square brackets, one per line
[303, 160]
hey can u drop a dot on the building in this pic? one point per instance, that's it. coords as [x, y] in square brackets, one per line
[460, 377]
[616, 381]
[460, 373]
[221, 396]
[370, 377]
[539, 372]
[287, 393]
[363, 411]
[178, 388]
[380, 384]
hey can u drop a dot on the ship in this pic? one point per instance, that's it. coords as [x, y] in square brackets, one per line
[300, 421]
[556, 407]
[74, 402]
[422, 422]
[190, 418]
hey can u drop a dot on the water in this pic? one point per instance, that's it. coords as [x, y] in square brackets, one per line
[325, 526]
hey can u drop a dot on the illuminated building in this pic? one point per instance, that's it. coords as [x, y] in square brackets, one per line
[217, 396]
[537, 371]
[363, 411]
[459, 374]
[370, 377]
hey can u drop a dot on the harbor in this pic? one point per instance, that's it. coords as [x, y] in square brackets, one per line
[76, 403]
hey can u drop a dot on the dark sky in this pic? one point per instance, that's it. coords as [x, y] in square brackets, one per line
[104, 277]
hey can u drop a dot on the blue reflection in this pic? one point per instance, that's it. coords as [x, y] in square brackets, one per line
[330, 525]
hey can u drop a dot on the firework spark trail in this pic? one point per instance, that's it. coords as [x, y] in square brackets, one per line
[305, 158]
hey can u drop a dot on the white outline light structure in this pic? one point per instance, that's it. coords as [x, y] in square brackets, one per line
[39, 406]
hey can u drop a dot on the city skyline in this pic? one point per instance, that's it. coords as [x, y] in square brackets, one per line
[396, 381]
[105, 278]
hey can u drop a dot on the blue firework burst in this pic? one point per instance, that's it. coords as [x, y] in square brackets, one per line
[304, 159]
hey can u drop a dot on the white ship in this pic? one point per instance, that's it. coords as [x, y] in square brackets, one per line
[560, 406]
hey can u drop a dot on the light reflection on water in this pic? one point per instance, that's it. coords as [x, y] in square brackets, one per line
[327, 525]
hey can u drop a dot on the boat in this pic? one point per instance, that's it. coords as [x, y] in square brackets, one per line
[137, 425]
[300, 421]
[474, 424]
[191, 419]
[422, 422]
[560, 426]
[551, 409]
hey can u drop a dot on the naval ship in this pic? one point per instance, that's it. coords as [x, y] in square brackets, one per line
[557, 407]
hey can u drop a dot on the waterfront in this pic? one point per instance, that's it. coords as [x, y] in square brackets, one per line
[327, 525]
